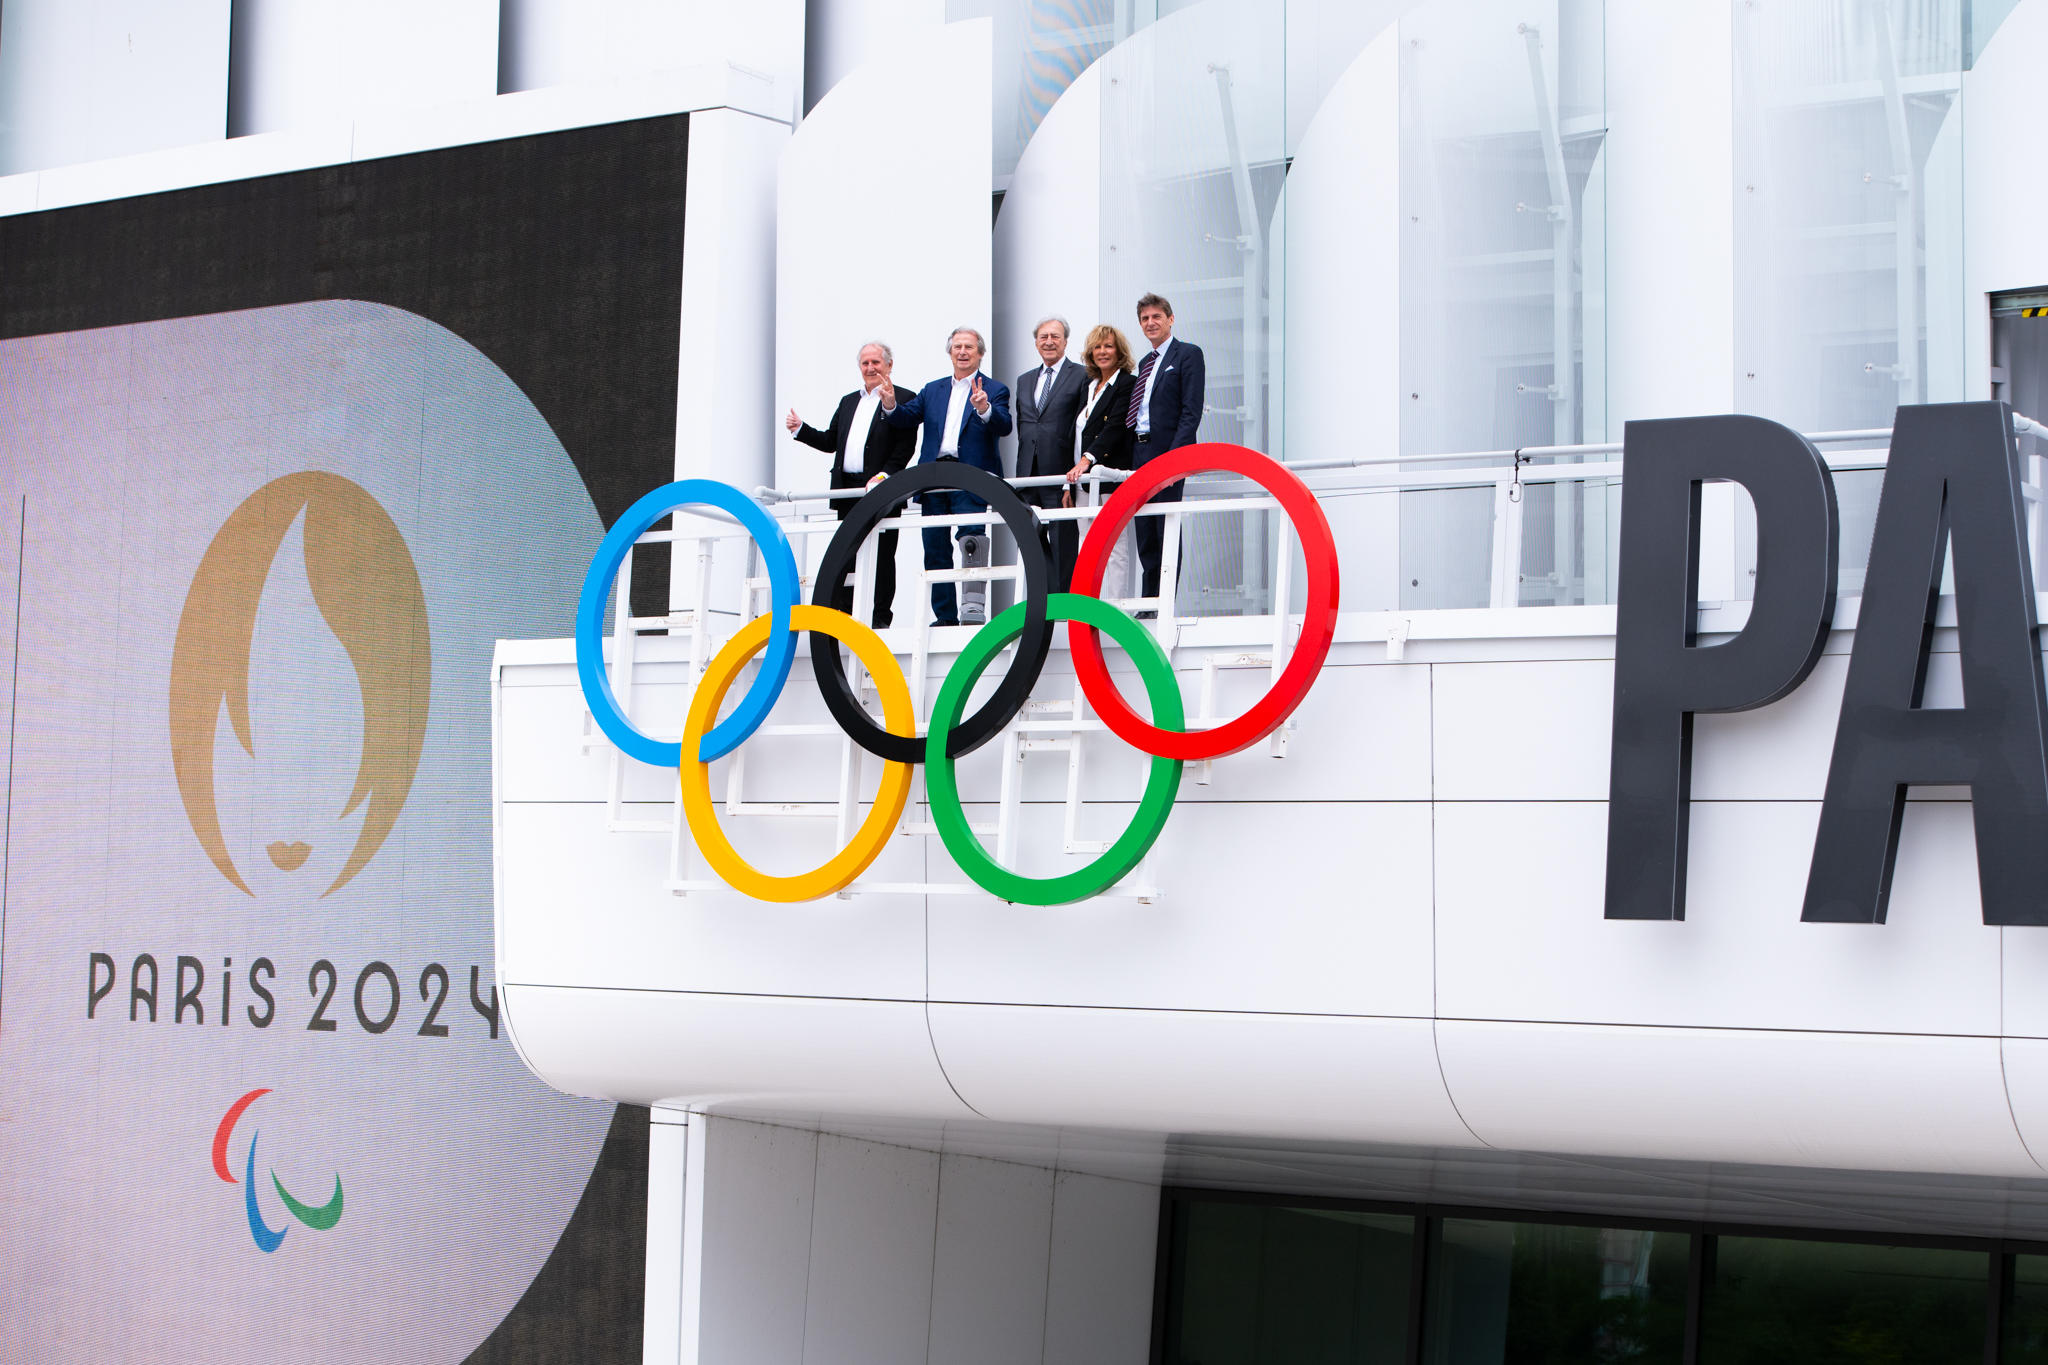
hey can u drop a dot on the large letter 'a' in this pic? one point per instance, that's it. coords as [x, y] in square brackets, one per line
[1953, 478]
[1661, 675]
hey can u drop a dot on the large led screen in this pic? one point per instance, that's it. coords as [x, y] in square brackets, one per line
[257, 1101]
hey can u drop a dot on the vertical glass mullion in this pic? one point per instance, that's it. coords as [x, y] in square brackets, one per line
[1418, 1285]
[1699, 1273]
[1998, 1298]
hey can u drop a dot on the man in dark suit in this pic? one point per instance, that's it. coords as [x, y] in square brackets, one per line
[1049, 397]
[963, 418]
[1165, 411]
[863, 451]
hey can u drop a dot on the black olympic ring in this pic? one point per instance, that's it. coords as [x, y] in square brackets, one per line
[1032, 645]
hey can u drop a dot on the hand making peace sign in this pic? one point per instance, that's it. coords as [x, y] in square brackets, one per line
[977, 397]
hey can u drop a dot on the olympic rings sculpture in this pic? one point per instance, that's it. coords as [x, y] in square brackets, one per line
[1088, 617]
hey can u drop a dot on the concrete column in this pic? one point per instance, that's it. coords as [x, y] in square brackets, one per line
[1670, 210]
[572, 42]
[807, 1248]
[882, 234]
[1671, 236]
[841, 36]
[725, 390]
[667, 1184]
[84, 80]
[300, 62]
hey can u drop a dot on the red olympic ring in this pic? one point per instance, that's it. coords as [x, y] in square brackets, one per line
[1319, 624]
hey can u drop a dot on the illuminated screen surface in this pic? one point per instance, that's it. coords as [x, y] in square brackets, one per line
[255, 1099]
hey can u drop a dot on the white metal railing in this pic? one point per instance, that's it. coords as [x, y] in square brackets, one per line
[1063, 724]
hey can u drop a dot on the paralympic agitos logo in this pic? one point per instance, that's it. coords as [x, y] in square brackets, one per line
[949, 736]
[317, 1217]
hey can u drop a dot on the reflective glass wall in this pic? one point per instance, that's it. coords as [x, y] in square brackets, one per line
[1193, 153]
[1503, 344]
[1848, 163]
[1249, 1281]
[1454, 147]
[1041, 46]
[1389, 226]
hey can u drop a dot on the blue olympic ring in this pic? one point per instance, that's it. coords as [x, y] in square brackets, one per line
[783, 590]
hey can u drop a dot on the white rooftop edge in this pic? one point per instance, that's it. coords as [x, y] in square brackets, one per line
[400, 131]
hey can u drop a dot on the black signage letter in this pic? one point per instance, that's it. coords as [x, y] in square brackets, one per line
[96, 989]
[189, 995]
[1661, 676]
[137, 995]
[1953, 478]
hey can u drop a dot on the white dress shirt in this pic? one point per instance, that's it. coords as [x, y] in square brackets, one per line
[1048, 375]
[1145, 403]
[1096, 388]
[857, 434]
[956, 413]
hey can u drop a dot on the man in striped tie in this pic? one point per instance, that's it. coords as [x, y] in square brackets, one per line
[1166, 414]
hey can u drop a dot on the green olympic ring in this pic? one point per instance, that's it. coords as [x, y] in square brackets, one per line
[1154, 669]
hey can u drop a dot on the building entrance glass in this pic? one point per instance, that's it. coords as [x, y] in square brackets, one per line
[1250, 1280]
[1773, 1299]
[1550, 1294]
[1263, 1283]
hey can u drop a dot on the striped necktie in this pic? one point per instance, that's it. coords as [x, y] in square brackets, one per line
[1138, 393]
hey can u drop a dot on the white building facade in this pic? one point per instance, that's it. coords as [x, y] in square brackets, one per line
[1353, 1065]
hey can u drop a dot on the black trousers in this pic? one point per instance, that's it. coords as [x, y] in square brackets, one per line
[885, 563]
[1151, 537]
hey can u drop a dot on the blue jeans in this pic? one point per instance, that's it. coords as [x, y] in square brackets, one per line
[938, 545]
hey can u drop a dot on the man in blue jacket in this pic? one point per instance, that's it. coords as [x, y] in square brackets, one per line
[963, 417]
[1166, 413]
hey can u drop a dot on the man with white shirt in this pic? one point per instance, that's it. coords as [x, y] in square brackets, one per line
[1049, 398]
[963, 417]
[864, 451]
[1166, 413]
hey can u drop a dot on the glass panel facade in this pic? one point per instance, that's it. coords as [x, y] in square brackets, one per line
[1248, 1281]
[1848, 160]
[1040, 47]
[1773, 1299]
[1546, 1294]
[1482, 132]
[1503, 121]
[1848, 165]
[1193, 155]
[1264, 1285]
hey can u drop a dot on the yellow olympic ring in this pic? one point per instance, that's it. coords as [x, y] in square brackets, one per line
[890, 798]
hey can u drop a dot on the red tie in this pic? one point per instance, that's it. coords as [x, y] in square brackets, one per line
[1138, 394]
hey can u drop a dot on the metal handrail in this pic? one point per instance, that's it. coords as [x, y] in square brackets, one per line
[2021, 424]
[1065, 723]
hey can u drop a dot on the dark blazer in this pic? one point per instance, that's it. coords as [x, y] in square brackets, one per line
[1176, 398]
[887, 450]
[978, 434]
[1106, 437]
[1045, 437]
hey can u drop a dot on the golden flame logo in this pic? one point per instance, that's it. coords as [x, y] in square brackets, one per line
[368, 591]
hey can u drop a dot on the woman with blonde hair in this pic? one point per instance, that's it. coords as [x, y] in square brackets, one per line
[1101, 438]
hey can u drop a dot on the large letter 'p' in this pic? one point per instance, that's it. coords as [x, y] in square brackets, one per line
[1662, 677]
